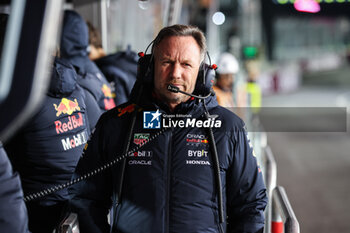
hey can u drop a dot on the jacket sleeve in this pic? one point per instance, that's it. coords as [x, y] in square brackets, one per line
[120, 80]
[13, 212]
[90, 198]
[246, 191]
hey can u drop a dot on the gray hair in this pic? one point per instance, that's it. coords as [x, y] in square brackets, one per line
[182, 30]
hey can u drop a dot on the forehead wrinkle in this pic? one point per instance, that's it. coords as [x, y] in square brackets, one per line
[181, 59]
[170, 42]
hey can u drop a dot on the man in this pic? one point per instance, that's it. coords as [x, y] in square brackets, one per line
[74, 48]
[226, 95]
[227, 70]
[119, 68]
[50, 146]
[253, 88]
[96, 50]
[169, 183]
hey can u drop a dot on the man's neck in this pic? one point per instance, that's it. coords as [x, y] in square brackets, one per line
[172, 106]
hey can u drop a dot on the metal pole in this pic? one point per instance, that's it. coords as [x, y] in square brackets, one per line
[271, 171]
[276, 223]
[104, 25]
[174, 12]
[280, 199]
[270, 182]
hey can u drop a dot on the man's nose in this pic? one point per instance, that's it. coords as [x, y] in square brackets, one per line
[176, 71]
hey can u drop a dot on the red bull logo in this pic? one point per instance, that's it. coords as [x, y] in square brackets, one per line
[66, 106]
[193, 140]
[196, 139]
[72, 123]
[109, 103]
[130, 108]
[107, 91]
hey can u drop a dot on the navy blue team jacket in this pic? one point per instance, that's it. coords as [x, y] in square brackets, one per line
[74, 48]
[120, 70]
[169, 182]
[47, 149]
[13, 212]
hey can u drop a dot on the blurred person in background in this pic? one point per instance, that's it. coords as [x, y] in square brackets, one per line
[47, 148]
[74, 49]
[253, 88]
[227, 93]
[96, 50]
[119, 68]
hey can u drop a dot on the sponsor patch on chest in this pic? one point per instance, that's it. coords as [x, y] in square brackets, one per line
[140, 158]
[197, 157]
[141, 138]
[196, 140]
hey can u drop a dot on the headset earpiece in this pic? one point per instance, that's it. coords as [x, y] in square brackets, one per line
[205, 79]
[144, 76]
[145, 68]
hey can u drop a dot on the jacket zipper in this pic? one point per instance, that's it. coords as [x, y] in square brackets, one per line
[168, 183]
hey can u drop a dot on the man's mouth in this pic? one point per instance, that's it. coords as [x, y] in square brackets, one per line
[176, 84]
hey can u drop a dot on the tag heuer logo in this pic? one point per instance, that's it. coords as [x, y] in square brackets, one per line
[141, 138]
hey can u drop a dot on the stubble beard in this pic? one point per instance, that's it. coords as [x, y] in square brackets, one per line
[174, 98]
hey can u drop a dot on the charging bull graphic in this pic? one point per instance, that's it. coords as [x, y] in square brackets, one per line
[107, 91]
[66, 106]
[130, 108]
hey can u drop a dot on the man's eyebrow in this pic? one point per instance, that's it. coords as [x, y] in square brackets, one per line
[165, 57]
[187, 61]
[168, 58]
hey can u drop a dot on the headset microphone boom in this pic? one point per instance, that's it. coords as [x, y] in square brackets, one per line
[175, 89]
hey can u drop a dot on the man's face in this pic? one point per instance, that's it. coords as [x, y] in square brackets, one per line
[176, 61]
